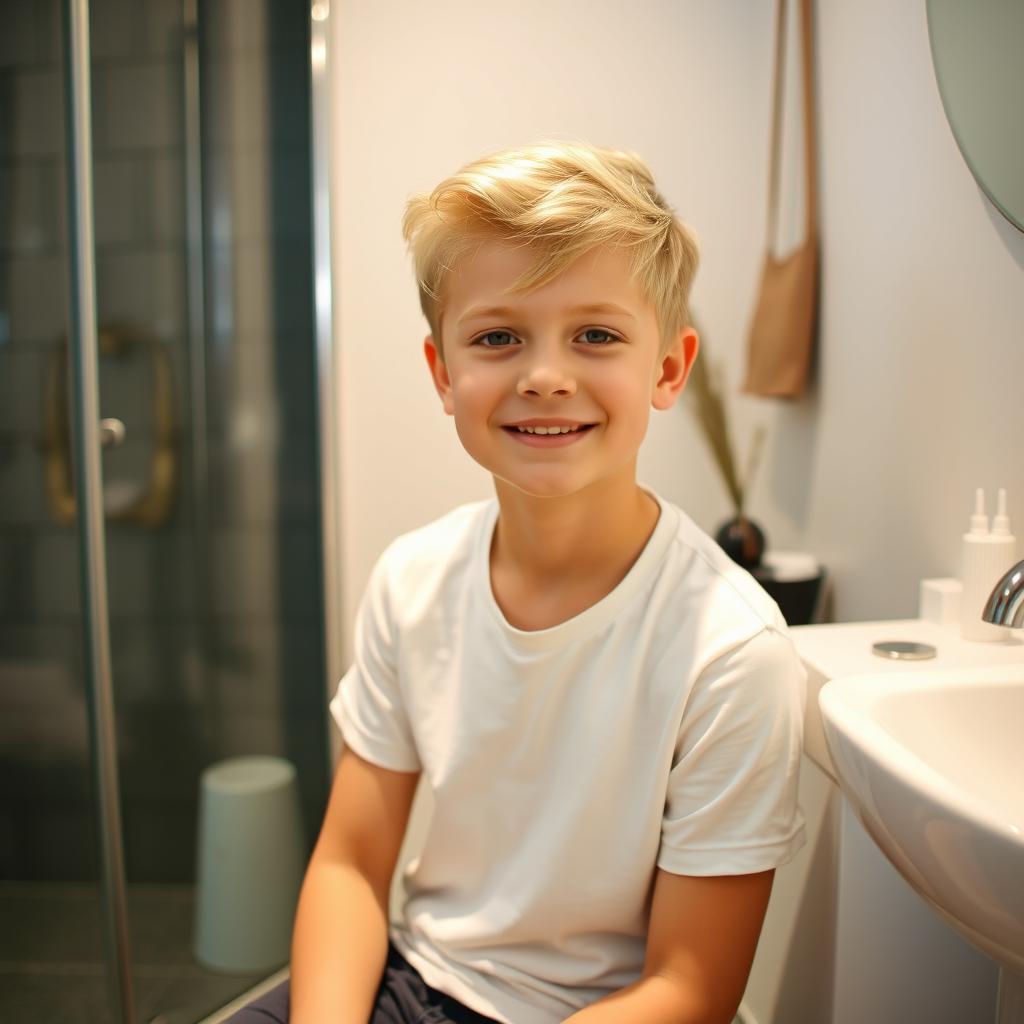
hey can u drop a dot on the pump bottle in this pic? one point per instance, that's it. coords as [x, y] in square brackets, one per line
[986, 556]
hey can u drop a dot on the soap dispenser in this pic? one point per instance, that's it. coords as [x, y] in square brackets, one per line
[986, 556]
[1001, 531]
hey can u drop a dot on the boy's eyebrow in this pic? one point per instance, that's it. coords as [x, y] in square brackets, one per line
[593, 307]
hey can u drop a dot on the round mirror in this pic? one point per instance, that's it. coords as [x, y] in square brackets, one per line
[977, 50]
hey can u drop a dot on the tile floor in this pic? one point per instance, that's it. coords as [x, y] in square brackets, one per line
[52, 957]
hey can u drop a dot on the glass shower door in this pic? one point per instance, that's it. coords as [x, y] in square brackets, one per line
[51, 900]
[207, 375]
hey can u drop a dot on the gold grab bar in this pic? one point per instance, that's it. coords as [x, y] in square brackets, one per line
[152, 506]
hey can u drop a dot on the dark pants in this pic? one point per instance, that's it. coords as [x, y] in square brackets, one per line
[403, 998]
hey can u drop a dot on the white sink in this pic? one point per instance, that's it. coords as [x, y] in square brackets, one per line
[836, 650]
[933, 765]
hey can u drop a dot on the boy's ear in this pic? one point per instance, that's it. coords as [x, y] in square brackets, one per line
[439, 374]
[674, 369]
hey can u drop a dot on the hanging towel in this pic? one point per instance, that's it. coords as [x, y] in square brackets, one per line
[781, 337]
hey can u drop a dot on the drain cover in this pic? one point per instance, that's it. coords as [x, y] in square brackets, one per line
[903, 650]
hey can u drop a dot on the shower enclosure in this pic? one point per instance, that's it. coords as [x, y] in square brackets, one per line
[167, 561]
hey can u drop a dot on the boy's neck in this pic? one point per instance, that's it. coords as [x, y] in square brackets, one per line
[584, 539]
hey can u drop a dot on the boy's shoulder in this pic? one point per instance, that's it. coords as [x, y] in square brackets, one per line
[717, 583]
[440, 545]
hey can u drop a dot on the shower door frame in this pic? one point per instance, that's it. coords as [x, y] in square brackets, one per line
[86, 445]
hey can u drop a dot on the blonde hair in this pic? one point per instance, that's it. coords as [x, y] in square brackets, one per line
[562, 199]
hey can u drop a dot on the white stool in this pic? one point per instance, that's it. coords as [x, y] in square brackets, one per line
[251, 860]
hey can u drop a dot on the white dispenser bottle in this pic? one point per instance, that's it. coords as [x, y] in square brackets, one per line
[986, 556]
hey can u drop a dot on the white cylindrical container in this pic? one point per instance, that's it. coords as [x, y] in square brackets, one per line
[986, 556]
[939, 601]
[250, 862]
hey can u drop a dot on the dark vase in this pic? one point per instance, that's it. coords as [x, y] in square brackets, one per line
[742, 540]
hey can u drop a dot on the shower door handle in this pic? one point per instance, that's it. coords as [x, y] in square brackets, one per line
[112, 432]
[150, 503]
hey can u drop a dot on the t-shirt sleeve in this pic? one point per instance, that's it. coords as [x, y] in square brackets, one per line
[731, 805]
[368, 705]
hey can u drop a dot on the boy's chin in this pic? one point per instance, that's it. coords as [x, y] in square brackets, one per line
[540, 489]
[532, 488]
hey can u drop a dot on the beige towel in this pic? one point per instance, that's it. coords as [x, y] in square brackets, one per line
[781, 339]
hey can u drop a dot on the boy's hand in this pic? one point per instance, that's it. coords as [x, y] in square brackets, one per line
[700, 944]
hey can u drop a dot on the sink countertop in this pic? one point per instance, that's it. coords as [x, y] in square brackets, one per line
[834, 650]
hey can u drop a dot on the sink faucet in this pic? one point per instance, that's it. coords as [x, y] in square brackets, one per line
[1005, 605]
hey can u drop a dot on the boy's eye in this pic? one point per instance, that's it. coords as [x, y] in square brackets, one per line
[594, 337]
[495, 339]
[603, 337]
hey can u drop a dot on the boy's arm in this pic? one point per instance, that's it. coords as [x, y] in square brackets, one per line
[339, 943]
[701, 940]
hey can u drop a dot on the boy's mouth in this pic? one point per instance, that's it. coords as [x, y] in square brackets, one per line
[548, 436]
[545, 430]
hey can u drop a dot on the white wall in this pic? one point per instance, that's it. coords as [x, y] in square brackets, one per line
[917, 397]
[922, 362]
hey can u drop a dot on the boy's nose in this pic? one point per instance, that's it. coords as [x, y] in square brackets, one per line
[546, 376]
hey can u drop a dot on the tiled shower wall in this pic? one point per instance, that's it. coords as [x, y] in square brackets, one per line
[215, 614]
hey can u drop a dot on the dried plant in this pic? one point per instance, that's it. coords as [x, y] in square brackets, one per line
[709, 408]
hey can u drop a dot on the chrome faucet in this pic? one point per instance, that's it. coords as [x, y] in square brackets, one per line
[1005, 605]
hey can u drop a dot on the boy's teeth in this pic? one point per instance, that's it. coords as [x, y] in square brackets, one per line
[546, 430]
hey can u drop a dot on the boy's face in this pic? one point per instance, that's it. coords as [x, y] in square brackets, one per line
[542, 359]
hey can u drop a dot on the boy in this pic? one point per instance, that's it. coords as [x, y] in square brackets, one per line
[607, 710]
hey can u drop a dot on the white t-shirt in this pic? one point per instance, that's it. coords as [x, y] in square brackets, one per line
[661, 727]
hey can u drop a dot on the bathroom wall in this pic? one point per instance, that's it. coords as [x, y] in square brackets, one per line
[921, 360]
[916, 399]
